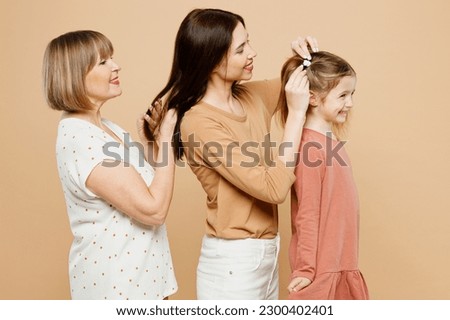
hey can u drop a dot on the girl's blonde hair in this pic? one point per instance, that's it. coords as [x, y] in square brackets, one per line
[67, 60]
[324, 74]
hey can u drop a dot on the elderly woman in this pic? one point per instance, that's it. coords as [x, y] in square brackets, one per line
[116, 202]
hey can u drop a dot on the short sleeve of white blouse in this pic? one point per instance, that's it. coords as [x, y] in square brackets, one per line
[112, 256]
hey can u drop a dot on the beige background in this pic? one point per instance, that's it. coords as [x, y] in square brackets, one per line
[399, 138]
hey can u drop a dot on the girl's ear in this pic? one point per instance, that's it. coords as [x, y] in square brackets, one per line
[313, 99]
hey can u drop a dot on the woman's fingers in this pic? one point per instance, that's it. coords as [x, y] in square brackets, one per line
[304, 46]
[298, 81]
[313, 43]
[300, 47]
[296, 77]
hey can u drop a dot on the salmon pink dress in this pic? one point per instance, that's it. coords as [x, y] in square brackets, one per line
[325, 222]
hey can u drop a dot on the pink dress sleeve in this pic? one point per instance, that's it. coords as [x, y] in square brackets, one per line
[308, 188]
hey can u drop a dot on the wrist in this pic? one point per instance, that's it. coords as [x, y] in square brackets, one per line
[165, 139]
[297, 117]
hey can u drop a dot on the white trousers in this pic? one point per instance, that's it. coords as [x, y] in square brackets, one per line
[243, 269]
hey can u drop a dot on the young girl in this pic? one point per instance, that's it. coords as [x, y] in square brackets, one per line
[323, 251]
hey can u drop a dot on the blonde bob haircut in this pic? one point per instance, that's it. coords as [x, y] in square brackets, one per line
[67, 60]
[324, 74]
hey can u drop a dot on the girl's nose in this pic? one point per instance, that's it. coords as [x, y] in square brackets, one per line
[349, 103]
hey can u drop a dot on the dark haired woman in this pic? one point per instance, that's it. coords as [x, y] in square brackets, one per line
[224, 133]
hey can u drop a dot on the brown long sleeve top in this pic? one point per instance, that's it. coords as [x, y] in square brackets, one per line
[231, 156]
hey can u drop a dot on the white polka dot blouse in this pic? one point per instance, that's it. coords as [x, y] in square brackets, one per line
[112, 256]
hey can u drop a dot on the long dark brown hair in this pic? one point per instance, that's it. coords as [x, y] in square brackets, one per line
[202, 41]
